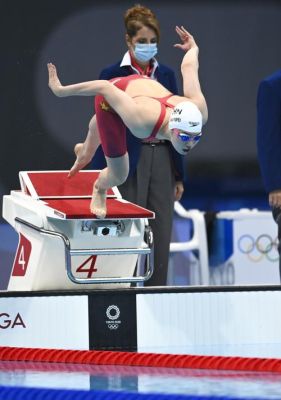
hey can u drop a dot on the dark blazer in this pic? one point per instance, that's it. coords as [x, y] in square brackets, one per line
[166, 77]
[269, 130]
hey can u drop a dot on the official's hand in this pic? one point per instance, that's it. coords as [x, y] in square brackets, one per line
[179, 189]
[274, 198]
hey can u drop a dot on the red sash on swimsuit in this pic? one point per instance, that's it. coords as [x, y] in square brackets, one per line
[163, 102]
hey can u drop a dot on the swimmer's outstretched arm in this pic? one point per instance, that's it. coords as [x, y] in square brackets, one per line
[189, 69]
[90, 88]
[119, 100]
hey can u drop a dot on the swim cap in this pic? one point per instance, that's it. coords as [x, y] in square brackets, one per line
[187, 117]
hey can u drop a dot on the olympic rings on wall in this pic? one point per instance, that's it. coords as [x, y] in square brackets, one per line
[256, 249]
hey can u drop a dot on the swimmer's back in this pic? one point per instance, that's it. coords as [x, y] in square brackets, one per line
[137, 85]
[146, 87]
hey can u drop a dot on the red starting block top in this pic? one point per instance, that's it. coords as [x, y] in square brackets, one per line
[69, 198]
[80, 209]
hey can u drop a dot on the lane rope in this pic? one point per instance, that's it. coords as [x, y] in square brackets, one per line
[140, 359]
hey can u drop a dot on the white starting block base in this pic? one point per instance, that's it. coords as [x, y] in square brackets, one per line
[200, 321]
[62, 245]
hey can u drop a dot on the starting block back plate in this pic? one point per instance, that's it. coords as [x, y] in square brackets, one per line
[56, 184]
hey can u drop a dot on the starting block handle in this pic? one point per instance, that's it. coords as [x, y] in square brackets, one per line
[77, 252]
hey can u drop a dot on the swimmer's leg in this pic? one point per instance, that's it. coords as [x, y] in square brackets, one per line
[85, 151]
[114, 174]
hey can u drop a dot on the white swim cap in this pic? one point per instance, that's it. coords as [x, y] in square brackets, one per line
[187, 117]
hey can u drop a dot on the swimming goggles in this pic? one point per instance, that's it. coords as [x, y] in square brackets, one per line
[187, 137]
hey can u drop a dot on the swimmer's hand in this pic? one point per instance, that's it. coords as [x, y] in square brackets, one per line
[54, 82]
[187, 39]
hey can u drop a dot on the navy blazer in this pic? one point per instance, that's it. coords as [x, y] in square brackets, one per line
[269, 130]
[166, 77]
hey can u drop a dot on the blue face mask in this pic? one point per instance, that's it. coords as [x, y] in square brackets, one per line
[145, 52]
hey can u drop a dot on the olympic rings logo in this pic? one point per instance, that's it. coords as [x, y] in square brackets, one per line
[113, 326]
[256, 250]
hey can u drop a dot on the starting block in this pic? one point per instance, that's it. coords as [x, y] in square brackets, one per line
[62, 245]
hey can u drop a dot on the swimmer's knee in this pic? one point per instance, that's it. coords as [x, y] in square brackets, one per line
[119, 175]
[123, 178]
[118, 168]
[120, 178]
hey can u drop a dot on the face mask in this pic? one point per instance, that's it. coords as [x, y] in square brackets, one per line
[145, 52]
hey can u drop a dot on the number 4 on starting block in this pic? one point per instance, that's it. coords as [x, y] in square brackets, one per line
[91, 261]
[22, 256]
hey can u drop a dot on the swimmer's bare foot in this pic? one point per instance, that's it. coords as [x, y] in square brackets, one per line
[78, 148]
[82, 159]
[54, 82]
[98, 202]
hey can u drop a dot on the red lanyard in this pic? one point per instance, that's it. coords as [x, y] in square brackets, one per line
[148, 69]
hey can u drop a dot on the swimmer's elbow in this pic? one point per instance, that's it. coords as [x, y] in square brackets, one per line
[96, 87]
[204, 110]
[105, 87]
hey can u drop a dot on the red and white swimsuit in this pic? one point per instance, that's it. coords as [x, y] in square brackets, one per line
[112, 129]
